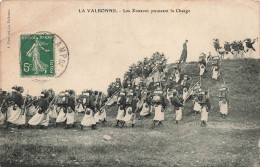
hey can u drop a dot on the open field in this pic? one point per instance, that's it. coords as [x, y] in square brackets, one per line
[232, 141]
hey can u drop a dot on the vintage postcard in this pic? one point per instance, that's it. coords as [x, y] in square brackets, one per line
[129, 83]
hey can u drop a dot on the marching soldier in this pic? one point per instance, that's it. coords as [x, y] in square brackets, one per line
[17, 117]
[70, 116]
[103, 108]
[130, 110]
[121, 102]
[202, 63]
[205, 106]
[202, 59]
[159, 104]
[223, 101]
[88, 119]
[170, 83]
[41, 117]
[62, 103]
[196, 105]
[185, 94]
[215, 67]
[177, 74]
[177, 103]
[146, 106]
[185, 82]
[3, 106]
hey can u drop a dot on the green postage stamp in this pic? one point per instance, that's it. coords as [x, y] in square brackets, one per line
[37, 55]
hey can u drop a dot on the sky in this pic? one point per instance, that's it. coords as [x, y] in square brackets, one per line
[103, 45]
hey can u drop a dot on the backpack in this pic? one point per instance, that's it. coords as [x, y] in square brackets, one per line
[157, 98]
[202, 98]
[86, 99]
[222, 92]
[215, 61]
[129, 99]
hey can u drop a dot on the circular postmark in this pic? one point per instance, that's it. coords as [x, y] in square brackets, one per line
[43, 56]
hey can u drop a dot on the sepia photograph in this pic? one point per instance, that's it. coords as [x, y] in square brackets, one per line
[169, 83]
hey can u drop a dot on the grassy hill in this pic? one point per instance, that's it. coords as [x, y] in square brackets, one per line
[224, 142]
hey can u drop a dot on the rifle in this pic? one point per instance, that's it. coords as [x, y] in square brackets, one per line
[23, 107]
[190, 91]
[1, 107]
[28, 105]
[2, 104]
[110, 99]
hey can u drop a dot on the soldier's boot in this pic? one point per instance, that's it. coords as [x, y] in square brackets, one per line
[93, 127]
[7, 125]
[153, 125]
[223, 116]
[117, 122]
[133, 125]
[204, 123]
[27, 126]
[177, 122]
[122, 124]
[81, 127]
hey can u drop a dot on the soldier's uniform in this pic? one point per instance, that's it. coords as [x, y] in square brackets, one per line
[146, 106]
[215, 67]
[3, 107]
[41, 117]
[88, 103]
[62, 103]
[202, 63]
[176, 102]
[88, 119]
[130, 108]
[70, 116]
[16, 117]
[159, 104]
[177, 74]
[121, 102]
[185, 83]
[223, 100]
[205, 107]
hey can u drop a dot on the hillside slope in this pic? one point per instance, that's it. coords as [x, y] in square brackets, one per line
[242, 77]
[232, 141]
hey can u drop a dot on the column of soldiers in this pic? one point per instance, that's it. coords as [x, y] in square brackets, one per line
[62, 108]
[148, 87]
